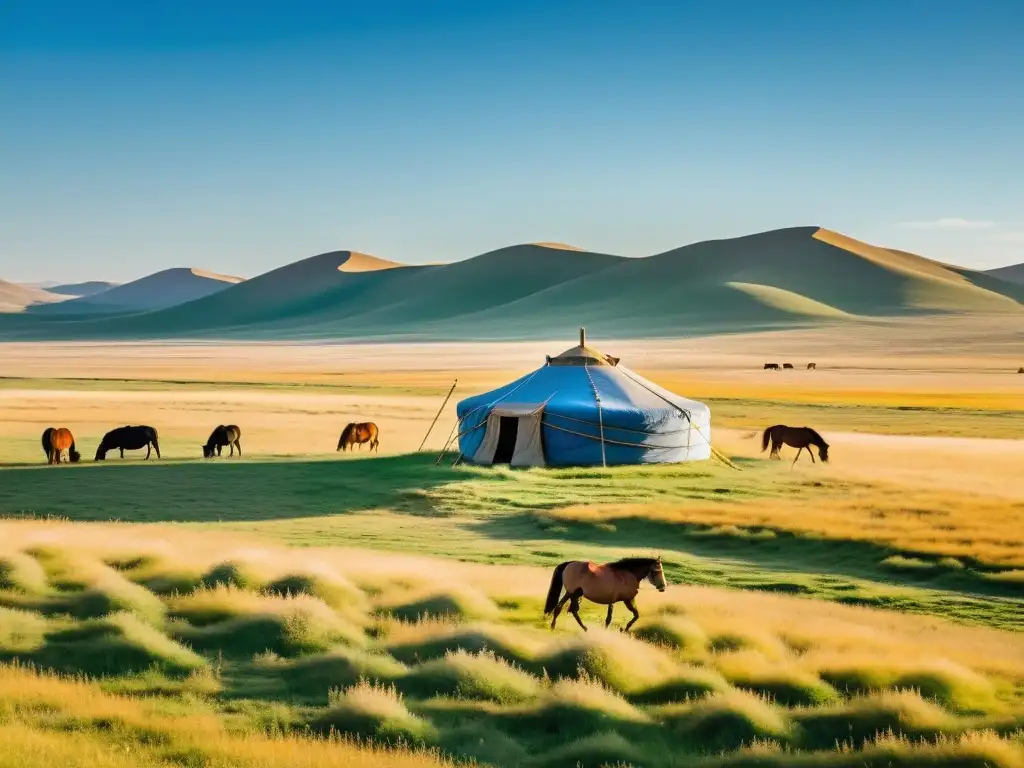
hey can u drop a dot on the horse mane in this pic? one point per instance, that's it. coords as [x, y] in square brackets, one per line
[633, 564]
[816, 436]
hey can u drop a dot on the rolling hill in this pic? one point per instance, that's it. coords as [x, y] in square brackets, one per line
[162, 289]
[1012, 274]
[17, 298]
[783, 278]
[78, 290]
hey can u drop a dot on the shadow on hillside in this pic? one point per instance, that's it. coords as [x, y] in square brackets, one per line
[222, 490]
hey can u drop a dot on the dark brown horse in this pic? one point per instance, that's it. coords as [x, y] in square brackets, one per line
[787, 366]
[229, 435]
[57, 443]
[771, 366]
[812, 366]
[606, 584]
[798, 437]
[357, 434]
[129, 439]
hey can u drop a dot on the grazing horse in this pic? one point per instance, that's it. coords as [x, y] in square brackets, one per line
[357, 434]
[1020, 370]
[812, 366]
[230, 435]
[57, 443]
[771, 366]
[129, 439]
[788, 366]
[798, 437]
[603, 584]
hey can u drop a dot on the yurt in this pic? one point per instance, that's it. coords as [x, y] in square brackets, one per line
[582, 408]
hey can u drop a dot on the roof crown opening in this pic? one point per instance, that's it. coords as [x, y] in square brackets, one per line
[582, 355]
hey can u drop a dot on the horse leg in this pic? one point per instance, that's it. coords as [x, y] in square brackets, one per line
[149, 450]
[636, 614]
[558, 610]
[811, 454]
[238, 445]
[122, 453]
[797, 456]
[574, 608]
[608, 621]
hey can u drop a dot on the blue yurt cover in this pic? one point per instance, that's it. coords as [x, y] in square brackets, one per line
[582, 408]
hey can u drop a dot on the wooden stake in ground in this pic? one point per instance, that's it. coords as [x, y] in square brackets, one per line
[438, 414]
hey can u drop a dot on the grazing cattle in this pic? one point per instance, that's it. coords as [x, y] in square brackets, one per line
[812, 366]
[129, 439]
[798, 437]
[771, 366]
[229, 435]
[58, 443]
[602, 584]
[357, 434]
[788, 366]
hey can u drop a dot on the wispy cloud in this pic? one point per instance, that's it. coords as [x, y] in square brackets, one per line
[950, 223]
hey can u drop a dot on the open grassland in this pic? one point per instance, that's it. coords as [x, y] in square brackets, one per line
[213, 650]
[269, 611]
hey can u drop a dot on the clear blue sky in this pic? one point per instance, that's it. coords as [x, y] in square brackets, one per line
[239, 136]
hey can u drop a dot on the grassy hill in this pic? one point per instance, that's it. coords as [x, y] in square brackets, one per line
[787, 277]
[161, 289]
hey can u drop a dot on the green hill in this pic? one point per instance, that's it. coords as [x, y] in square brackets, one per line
[1013, 273]
[778, 279]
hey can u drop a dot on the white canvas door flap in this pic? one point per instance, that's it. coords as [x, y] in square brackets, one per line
[489, 445]
[529, 451]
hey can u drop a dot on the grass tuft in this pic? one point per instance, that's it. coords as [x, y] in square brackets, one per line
[235, 573]
[373, 711]
[471, 676]
[22, 573]
[784, 683]
[333, 589]
[113, 645]
[460, 603]
[725, 721]
[286, 626]
[619, 661]
[312, 677]
[677, 632]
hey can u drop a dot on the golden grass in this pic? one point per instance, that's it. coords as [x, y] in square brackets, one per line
[45, 721]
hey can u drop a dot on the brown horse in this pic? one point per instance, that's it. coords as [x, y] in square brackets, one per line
[798, 437]
[230, 435]
[57, 443]
[812, 366]
[787, 366]
[357, 434]
[771, 367]
[603, 584]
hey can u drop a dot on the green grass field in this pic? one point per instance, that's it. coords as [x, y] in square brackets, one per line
[275, 610]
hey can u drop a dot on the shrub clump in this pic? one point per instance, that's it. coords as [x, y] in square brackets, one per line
[234, 573]
[20, 632]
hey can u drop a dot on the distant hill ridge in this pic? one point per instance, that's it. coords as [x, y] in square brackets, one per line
[777, 279]
[167, 288]
[1013, 273]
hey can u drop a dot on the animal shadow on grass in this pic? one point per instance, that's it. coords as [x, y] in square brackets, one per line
[250, 491]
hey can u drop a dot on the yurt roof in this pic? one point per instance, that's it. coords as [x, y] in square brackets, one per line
[583, 355]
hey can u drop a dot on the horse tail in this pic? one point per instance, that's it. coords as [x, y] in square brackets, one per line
[154, 438]
[555, 590]
[46, 440]
[764, 439]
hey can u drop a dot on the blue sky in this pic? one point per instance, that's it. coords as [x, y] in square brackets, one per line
[239, 136]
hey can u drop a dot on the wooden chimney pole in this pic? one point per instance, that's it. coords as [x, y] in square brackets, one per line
[583, 336]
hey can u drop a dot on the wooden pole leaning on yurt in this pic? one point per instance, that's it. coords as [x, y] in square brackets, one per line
[440, 410]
